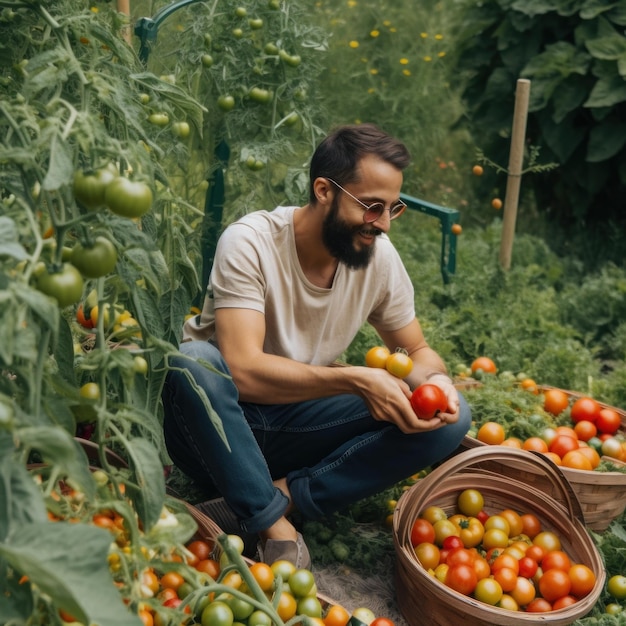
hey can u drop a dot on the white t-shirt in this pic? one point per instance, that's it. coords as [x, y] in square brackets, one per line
[256, 267]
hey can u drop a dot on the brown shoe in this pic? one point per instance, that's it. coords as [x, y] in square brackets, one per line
[295, 552]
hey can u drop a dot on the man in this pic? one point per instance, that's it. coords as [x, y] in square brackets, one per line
[288, 292]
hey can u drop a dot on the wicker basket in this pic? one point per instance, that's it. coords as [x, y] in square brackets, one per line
[602, 495]
[499, 473]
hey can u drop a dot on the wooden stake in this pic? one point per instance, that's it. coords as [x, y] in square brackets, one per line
[123, 6]
[516, 160]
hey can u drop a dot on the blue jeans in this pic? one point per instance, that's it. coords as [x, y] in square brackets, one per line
[331, 451]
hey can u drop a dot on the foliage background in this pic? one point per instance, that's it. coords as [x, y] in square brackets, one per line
[74, 96]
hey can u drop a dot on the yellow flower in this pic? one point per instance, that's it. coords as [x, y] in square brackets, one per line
[386, 23]
[423, 35]
[393, 30]
[438, 36]
[354, 44]
[406, 72]
[404, 61]
[427, 59]
[373, 71]
[94, 9]
[371, 90]
[374, 33]
[352, 3]
[441, 54]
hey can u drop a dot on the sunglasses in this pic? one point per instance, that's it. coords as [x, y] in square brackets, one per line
[371, 212]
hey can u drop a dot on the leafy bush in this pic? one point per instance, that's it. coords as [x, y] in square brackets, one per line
[573, 54]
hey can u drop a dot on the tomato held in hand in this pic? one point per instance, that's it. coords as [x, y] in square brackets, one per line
[399, 364]
[428, 400]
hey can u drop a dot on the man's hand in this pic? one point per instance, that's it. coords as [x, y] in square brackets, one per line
[388, 399]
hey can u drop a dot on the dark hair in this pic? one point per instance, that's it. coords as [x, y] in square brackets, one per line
[338, 155]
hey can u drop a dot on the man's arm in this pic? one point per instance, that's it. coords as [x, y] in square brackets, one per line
[267, 378]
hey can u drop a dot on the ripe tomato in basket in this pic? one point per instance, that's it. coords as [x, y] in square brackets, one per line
[427, 400]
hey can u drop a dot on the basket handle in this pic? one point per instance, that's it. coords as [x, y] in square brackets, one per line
[558, 480]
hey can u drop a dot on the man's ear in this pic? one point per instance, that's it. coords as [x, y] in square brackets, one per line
[324, 191]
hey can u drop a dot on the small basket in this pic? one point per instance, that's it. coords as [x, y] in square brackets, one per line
[602, 495]
[498, 473]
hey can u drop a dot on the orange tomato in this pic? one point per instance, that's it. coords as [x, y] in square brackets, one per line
[263, 574]
[575, 459]
[512, 442]
[555, 401]
[554, 457]
[554, 584]
[536, 444]
[528, 384]
[456, 229]
[524, 591]
[201, 549]
[582, 578]
[377, 357]
[591, 454]
[287, 606]
[496, 203]
[556, 559]
[585, 430]
[399, 364]
[515, 521]
[336, 616]
[485, 364]
[172, 580]
[531, 525]
[477, 170]
[491, 433]
[210, 567]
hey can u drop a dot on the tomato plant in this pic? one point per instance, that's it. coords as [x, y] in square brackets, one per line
[428, 400]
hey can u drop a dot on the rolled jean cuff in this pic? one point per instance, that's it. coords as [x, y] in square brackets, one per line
[269, 515]
[298, 483]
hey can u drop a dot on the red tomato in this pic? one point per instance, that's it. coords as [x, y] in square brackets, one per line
[462, 578]
[538, 605]
[556, 559]
[452, 543]
[422, 532]
[585, 409]
[427, 400]
[527, 567]
[382, 621]
[608, 421]
[562, 444]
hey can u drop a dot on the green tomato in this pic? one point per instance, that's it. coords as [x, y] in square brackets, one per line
[292, 118]
[237, 33]
[364, 614]
[181, 129]
[240, 608]
[98, 259]
[159, 119]
[301, 582]
[65, 285]
[292, 60]
[310, 606]
[271, 49]
[207, 60]
[259, 618]
[255, 23]
[257, 94]
[273, 4]
[208, 40]
[226, 103]
[140, 365]
[128, 198]
[144, 98]
[241, 12]
[616, 586]
[90, 391]
[217, 614]
[89, 187]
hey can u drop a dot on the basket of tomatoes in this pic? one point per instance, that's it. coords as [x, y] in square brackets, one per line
[478, 544]
[585, 437]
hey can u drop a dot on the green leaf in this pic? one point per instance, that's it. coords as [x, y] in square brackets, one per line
[64, 351]
[60, 168]
[69, 563]
[607, 48]
[8, 321]
[592, 8]
[9, 240]
[41, 306]
[16, 601]
[607, 92]
[606, 140]
[57, 447]
[148, 490]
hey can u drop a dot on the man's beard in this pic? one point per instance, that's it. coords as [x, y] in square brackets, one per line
[338, 237]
